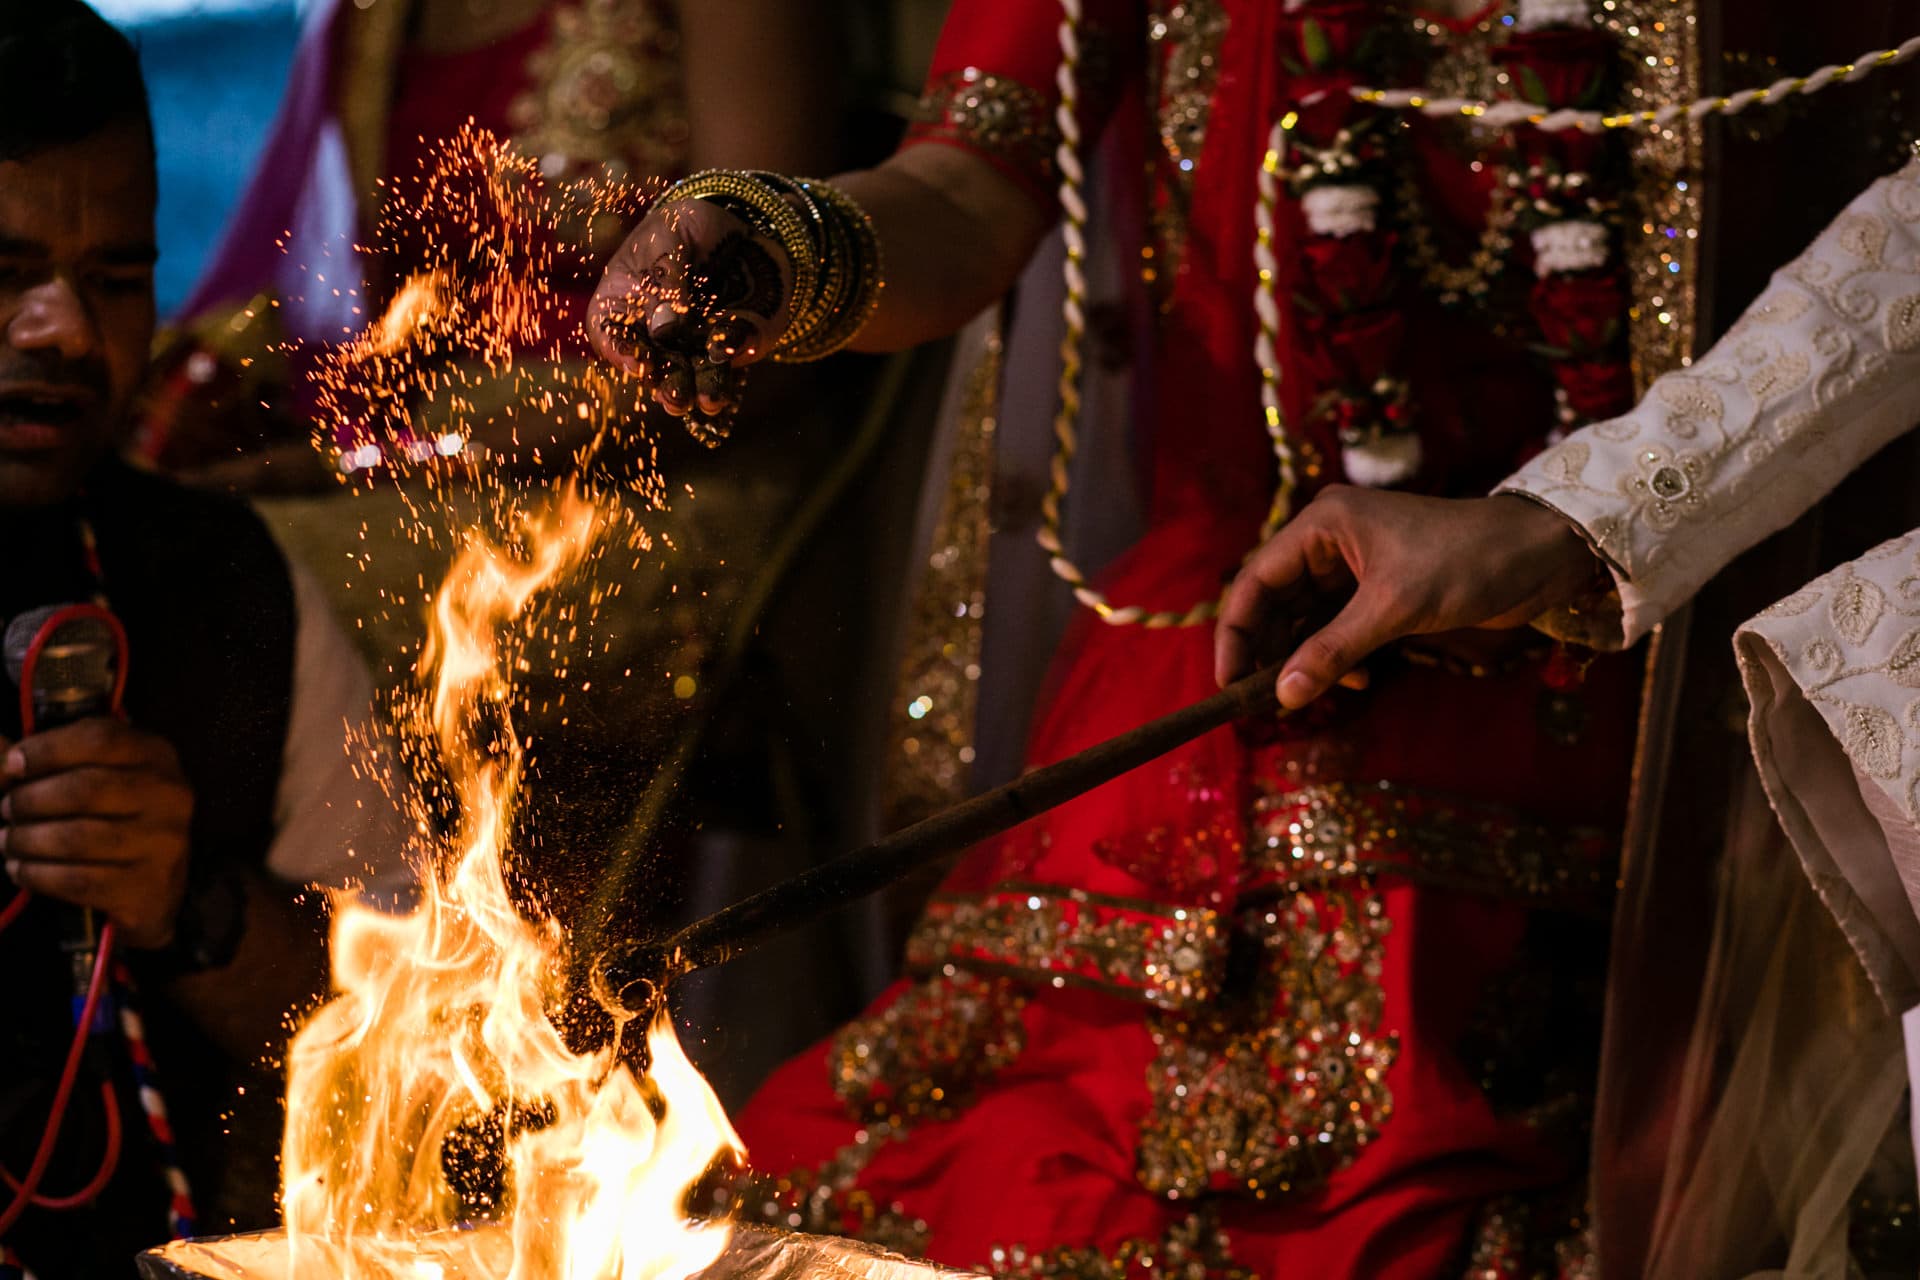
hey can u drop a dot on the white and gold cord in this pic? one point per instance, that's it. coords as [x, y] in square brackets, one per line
[1266, 310]
[1266, 300]
[1073, 218]
[1507, 114]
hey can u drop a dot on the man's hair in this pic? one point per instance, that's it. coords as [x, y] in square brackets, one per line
[66, 74]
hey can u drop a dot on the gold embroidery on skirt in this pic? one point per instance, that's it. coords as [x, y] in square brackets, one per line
[1279, 1085]
[1165, 955]
[923, 1054]
[1194, 1248]
[826, 1201]
[1334, 831]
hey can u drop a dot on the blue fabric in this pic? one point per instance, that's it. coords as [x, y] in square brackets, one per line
[215, 80]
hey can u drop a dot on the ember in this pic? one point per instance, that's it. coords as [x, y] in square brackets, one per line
[442, 1025]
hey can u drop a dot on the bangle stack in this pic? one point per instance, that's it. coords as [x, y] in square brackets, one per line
[830, 241]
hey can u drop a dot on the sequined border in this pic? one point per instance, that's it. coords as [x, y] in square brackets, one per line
[1662, 38]
[827, 1200]
[1184, 39]
[925, 1053]
[932, 716]
[1337, 831]
[1276, 1088]
[1003, 119]
[1192, 1248]
[1165, 955]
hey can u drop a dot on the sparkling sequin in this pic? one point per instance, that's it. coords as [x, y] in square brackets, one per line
[1325, 833]
[1275, 1088]
[1545, 1236]
[827, 1200]
[1662, 41]
[996, 115]
[933, 704]
[924, 1053]
[1194, 1248]
[1162, 954]
[1668, 482]
[1184, 38]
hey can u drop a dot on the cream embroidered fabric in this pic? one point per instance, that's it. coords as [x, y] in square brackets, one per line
[1818, 374]
[1833, 678]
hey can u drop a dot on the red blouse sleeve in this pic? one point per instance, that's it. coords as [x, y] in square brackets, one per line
[993, 87]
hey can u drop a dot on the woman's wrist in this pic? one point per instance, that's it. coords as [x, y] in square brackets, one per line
[832, 249]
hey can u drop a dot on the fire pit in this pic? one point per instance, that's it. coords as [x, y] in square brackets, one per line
[486, 1253]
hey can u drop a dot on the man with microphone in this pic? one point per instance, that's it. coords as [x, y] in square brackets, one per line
[155, 841]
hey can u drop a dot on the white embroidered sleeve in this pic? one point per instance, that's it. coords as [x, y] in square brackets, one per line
[1817, 375]
[1833, 678]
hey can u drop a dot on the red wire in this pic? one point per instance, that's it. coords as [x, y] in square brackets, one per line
[25, 1189]
[23, 1194]
[110, 1104]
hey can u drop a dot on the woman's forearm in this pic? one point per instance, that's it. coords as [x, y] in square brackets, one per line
[955, 235]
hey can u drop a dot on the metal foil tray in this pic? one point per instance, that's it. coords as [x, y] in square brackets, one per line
[484, 1253]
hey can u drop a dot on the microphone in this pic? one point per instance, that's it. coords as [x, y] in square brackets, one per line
[69, 662]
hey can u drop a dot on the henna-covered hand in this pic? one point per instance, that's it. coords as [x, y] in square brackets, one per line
[692, 296]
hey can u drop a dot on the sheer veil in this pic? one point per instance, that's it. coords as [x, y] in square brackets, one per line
[1751, 1112]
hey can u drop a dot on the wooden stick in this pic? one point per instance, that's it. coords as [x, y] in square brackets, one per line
[636, 977]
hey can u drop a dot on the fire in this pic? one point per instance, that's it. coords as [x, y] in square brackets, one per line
[441, 1017]
[416, 304]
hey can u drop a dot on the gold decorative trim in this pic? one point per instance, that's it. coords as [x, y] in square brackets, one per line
[1662, 40]
[1194, 1248]
[1003, 119]
[1165, 955]
[1333, 832]
[1279, 1087]
[827, 1201]
[925, 1052]
[1183, 54]
[931, 732]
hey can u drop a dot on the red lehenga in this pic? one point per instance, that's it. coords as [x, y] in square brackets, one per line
[1317, 999]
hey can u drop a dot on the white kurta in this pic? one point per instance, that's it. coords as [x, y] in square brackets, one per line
[1819, 374]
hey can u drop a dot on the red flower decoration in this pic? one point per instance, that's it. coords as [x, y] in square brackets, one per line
[1596, 390]
[1559, 68]
[1580, 314]
[1344, 274]
[1353, 350]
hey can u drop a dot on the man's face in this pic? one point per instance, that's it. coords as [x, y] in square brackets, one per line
[76, 307]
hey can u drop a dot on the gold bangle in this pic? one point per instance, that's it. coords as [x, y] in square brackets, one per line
[850, 291]
[778, 220]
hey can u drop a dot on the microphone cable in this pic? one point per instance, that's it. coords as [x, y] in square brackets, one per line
[87, 1007]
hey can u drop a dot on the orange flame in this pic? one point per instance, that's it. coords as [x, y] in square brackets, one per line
[441, 1016]
[418, 301]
